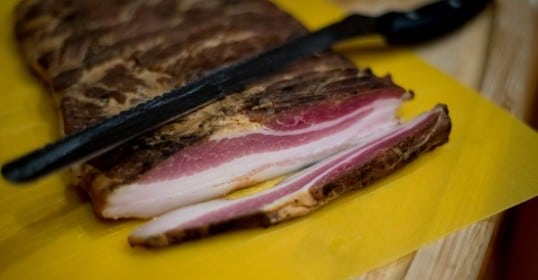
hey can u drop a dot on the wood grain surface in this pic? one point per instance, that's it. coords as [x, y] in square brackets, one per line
[496, 55]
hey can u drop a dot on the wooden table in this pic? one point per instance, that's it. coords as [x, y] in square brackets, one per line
[496, 55]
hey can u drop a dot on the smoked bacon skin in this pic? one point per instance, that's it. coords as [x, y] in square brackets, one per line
[99, 58]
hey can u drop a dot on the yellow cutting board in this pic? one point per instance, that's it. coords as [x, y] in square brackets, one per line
[47, 230]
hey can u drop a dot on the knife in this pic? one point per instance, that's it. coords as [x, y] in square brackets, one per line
[421, 24]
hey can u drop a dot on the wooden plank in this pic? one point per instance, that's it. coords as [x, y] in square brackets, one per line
[495, 55]
[457, 256]
[510, 73]
[392, 271]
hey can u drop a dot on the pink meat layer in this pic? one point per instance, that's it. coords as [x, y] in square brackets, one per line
[296, 127]
[214, 168]
[221, 210]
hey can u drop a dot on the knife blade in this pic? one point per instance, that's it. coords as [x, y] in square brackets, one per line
[418, 25]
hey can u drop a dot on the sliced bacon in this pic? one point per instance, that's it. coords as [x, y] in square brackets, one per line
[287, 143]
[307, 190]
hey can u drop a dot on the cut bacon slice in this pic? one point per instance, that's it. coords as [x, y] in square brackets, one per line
[286, 143]
[305, 191]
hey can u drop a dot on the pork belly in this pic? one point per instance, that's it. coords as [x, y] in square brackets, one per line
[100, 58]
[305, 191]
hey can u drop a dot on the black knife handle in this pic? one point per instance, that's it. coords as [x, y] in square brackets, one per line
[427, 22]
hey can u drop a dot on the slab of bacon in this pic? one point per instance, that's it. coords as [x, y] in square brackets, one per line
[99, 58]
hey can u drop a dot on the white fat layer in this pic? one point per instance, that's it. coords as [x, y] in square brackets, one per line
[172, 219]
[151, 199]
